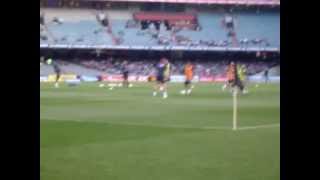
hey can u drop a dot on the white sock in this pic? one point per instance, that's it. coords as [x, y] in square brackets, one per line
[224, 87]
[188, 91]
[165, 94]
[154, 93]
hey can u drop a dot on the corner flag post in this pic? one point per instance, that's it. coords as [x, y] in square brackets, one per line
[235, 106]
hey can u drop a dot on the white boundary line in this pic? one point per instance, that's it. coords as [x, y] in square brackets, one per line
[185, 127]
[173, 126]
[203, 127]
[259, 126]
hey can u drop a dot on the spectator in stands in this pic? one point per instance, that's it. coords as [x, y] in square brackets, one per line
[42, 62]
[157, 25]
[144, 25]
[162, 26]
[42, 18]
[229, 22]
[168, 27]
[198, 27]
[244, 42]
[231, 34]
[102, 19]
[265, 42]
[163, 40]
[57, 20]
[100, 16]
[42, 29]
[221, 43]
[256, 41]
[212, 43]
[131, 23]
[152, 26]
[43, 34]
[43, 37]
[105, 21]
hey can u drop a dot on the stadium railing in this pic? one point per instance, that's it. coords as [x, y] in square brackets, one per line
[159, 48]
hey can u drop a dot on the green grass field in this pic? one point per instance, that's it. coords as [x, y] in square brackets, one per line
[92, 133]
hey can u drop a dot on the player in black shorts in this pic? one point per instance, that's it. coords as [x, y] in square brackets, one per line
[57, 71]
[162, 76]
[125, 74]
[238, 82]
[266, 76]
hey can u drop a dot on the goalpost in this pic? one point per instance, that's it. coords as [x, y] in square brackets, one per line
[235, 108]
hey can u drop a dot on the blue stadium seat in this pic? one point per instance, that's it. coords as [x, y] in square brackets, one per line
[249, 25]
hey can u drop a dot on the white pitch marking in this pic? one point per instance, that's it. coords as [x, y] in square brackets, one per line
[204, 127]
[259, 126]
[172, 126]
[181, 126]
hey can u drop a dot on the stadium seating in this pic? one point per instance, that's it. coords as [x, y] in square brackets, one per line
[70, 68]
[81, 32]
[264, 25]
[249, 25]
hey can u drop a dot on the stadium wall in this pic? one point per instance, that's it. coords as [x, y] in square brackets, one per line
[173, 79]
[261, 79]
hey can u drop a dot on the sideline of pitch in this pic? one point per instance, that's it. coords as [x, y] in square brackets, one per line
[203, 127]
[259, 126]
[182, 126]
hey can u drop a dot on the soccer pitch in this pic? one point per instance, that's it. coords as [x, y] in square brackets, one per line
[92, 133]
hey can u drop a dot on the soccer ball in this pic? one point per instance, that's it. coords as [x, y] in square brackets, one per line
[183, 92]
[101, 85]
[130, 85]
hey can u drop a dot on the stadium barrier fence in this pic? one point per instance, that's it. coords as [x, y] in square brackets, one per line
[174, 78]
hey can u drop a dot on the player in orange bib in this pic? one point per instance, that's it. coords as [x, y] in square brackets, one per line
[188, 73]
[231, 76]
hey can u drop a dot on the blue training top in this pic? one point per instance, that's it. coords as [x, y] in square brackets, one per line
[160, 69]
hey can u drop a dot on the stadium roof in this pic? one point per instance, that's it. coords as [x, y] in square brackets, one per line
[243, 2]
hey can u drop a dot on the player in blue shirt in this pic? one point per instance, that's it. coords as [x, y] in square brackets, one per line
[162, 77]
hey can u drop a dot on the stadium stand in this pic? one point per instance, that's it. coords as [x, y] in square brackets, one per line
[252, 29]
[69, 68]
